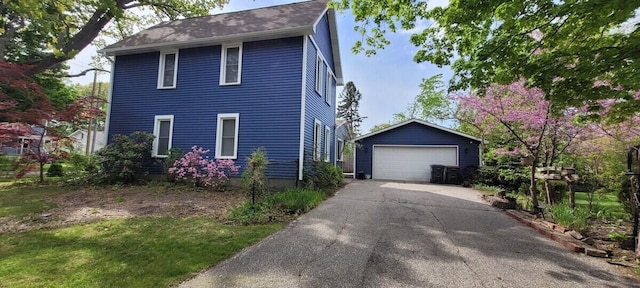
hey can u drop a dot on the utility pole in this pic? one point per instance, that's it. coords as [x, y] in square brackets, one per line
[93, 93]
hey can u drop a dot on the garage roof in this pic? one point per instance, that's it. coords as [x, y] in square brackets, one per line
[419, 122]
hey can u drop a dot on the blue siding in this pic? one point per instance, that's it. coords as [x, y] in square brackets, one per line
[317, 108]
[323, 39]
[268, 100]
[417, 134]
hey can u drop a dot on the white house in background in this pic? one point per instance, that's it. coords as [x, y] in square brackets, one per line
[79, 140]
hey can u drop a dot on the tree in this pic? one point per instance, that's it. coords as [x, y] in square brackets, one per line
[527, 118]
[380, 127]
[348, 108]
[561, 47]
[431, 105]
[45, 33]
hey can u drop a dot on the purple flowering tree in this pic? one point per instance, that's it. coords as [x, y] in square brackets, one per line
[541, 134]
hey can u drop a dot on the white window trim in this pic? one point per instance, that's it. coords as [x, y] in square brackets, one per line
[156, 133]
[319, 70]
[340, 152]
[223, 62]
[327, 143]
[161, 69]
[317, 136]
[221, 117]
[328, 97]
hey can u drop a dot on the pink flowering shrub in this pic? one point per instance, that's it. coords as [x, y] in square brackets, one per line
[201, 171]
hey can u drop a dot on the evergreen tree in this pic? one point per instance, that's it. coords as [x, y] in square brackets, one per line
[348, 108]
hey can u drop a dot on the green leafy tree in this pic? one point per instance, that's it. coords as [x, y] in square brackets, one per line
[431, 105]
[45, 33]
[348, 108]
[561, 47]
[380, 127]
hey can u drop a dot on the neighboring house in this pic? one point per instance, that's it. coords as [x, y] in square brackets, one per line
[28, 141]
[232, 83]
[406, 151]
[344, 160]
[79, 140]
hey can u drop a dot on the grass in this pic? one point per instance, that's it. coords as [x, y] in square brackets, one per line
[289, 202]
[607, 204]
[486, 189]
[18, 199]
[135, 252]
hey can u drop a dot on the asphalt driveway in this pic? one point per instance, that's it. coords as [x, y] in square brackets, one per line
[380, 234]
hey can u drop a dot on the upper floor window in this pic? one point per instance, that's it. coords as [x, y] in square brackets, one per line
[168, 69]
[329, 95]
[227, 136]
[231, 64]
[319, 74]
[163, 132]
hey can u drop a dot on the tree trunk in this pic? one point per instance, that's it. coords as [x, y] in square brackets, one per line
[572, 196]
[41, 172]
[548, 191]
[532, 189]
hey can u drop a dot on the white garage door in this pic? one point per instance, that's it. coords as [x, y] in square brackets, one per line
[410, 163]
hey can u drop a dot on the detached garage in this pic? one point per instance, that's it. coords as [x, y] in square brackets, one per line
[406, 151]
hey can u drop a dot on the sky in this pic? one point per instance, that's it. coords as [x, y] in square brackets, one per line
[388, 81]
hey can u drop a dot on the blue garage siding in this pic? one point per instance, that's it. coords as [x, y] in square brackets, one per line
[317, 108]
[268, 100]
[323, 39]
[417, 134]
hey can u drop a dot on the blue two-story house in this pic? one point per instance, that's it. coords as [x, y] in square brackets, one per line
[232, 83]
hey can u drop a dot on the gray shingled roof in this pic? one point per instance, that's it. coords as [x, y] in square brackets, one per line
[277, 21]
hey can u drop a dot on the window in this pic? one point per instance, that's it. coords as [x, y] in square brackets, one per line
[340, 150]
[327, 143]
[231, 64]
[163, 132]
[319, 67]
[168, 70]
[329, 95]
[227, 136]
[317, 134]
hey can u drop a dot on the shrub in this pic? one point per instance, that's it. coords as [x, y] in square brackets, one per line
[250, 214]
[488, 175]
[123, 160]
[55, 170]
[322, 175]
[80, 168]
[576, 219]
[201, 171]
[557, 189]
[295, 201]
[173, 155]
[253, 178]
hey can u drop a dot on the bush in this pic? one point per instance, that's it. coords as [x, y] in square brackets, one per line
[172, 157]
[201, 171]
[295, 201]
[55, 170]
[253, 178]
[509, 178]
[557, 189]
[576, 219]
[322, 175]
[488, 175]
[250, 214]
[123, 160]
[292, 201]
[80, 168]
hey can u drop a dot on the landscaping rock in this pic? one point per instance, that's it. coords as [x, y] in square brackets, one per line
[500, 202]
[593, 252]
[574, 234]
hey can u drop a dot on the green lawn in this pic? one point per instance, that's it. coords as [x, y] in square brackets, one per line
[135, 252]
[20, 199]
[607, 202]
